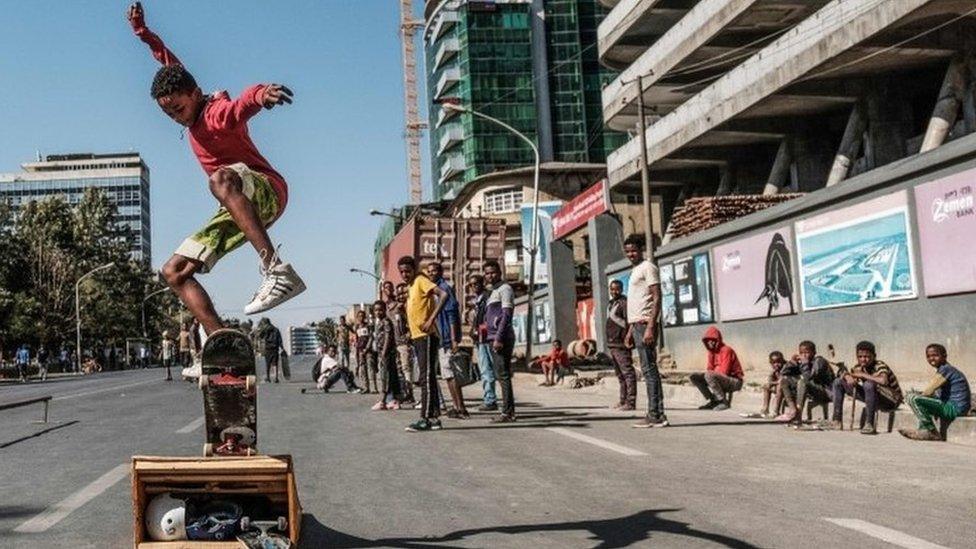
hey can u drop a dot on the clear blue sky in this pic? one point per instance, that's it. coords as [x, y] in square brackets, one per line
[73, 78]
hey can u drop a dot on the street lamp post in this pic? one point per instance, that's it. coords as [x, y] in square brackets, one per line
[78, 309]
[396, 217]
[145, 332]
[533, 239]
[365, 272]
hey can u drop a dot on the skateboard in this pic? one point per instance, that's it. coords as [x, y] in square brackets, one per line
[261, 534]
[285, 367]
[229, 386]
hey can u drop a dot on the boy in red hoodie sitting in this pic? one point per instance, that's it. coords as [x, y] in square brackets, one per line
[723, 373]
[251, 194]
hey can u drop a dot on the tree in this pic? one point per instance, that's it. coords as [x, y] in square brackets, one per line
[45, 248]
[327, 331]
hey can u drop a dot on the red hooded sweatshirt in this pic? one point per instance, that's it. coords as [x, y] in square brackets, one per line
[723, 359]
[219, 137]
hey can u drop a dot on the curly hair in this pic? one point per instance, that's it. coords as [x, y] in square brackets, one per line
[172, 79]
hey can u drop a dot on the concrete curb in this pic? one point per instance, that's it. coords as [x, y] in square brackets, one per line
[962, 431]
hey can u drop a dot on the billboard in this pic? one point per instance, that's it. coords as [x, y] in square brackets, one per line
[686, 291]
[544, 232]
[946, 212]
[542, 318]
[754, 276]
[858, 254]
[584, 207]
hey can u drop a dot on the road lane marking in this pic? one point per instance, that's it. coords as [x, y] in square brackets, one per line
[190, 427]
[893, 537]
[57, 512]
[105, 390]
[596, 441]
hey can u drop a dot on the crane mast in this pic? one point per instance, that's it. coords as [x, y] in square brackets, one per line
[409, 26]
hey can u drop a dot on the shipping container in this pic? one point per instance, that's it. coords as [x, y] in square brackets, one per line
[462, 245]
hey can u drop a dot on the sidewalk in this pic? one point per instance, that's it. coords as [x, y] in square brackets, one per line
[605, 391]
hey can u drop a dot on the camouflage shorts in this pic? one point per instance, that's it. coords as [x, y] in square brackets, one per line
[221, 235]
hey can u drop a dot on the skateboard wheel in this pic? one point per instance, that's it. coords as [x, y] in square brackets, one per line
[208, 449]
[203, 382]
[245, 524]
[250, 383]
[282, 524]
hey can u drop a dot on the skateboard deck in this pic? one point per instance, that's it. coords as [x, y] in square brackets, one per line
[285, 367]
[229, 394]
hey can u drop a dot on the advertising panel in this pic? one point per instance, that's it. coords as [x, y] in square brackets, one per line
[686, 291]
[587, 205]
[858, 254]
[542, 319]
[754, 276]
[546, 211]
[946, 212]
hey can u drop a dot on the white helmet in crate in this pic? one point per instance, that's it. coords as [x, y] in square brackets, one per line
[166, 518]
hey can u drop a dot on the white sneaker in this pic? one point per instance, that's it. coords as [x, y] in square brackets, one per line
[281, 283]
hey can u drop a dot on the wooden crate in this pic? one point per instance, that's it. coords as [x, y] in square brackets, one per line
[270, 476]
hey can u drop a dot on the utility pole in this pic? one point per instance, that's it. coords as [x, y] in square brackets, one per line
[645, 175]
[413, 130]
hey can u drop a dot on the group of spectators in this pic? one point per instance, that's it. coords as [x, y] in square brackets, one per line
[810, 380]
[25, 359]
[806, 379]
[411, 336]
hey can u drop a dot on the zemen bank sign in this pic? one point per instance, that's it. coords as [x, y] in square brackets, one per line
[587, 205]
[946, 213]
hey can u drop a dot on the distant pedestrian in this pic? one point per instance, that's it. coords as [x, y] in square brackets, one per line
[166, 353]
[424, 301]
[479, 335]
[449, 326]
[64, 360]
[947, 397]
[22, 359]
[405, 358]
[343, 334]
[42, 361]
[271, 337]
[385, 338]
[643, 310]
[365, 357]
[184, 346]
[144, 356]
[620, 351]
[499, 331]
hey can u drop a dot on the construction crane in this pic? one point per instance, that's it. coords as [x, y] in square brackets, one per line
[414, 126]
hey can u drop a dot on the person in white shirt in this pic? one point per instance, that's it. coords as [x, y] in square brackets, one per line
[643, 310]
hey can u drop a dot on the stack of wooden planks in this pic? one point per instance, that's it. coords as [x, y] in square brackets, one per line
[701, 213]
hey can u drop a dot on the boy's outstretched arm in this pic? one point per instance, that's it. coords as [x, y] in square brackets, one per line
[137, 19]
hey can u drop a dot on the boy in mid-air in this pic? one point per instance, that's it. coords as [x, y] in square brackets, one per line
[252, 195]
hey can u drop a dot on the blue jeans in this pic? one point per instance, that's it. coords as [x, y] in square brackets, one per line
[487, 374]
[652, 378]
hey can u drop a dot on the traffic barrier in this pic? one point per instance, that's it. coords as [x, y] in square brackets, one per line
[27, 402]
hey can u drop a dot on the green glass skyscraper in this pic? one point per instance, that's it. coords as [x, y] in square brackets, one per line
[538, 74]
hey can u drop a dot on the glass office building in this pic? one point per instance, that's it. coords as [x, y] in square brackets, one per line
[124, 178]
[303, 340]
[541, 77]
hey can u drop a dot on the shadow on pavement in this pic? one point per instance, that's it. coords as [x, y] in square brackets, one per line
[17, 511]
[609, 533]
[739, 423]
[37, 434]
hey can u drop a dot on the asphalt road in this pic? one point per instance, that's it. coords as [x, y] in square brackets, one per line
[569, 473]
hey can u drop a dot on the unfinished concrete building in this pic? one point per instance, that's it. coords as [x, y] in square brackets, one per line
[846, 101]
